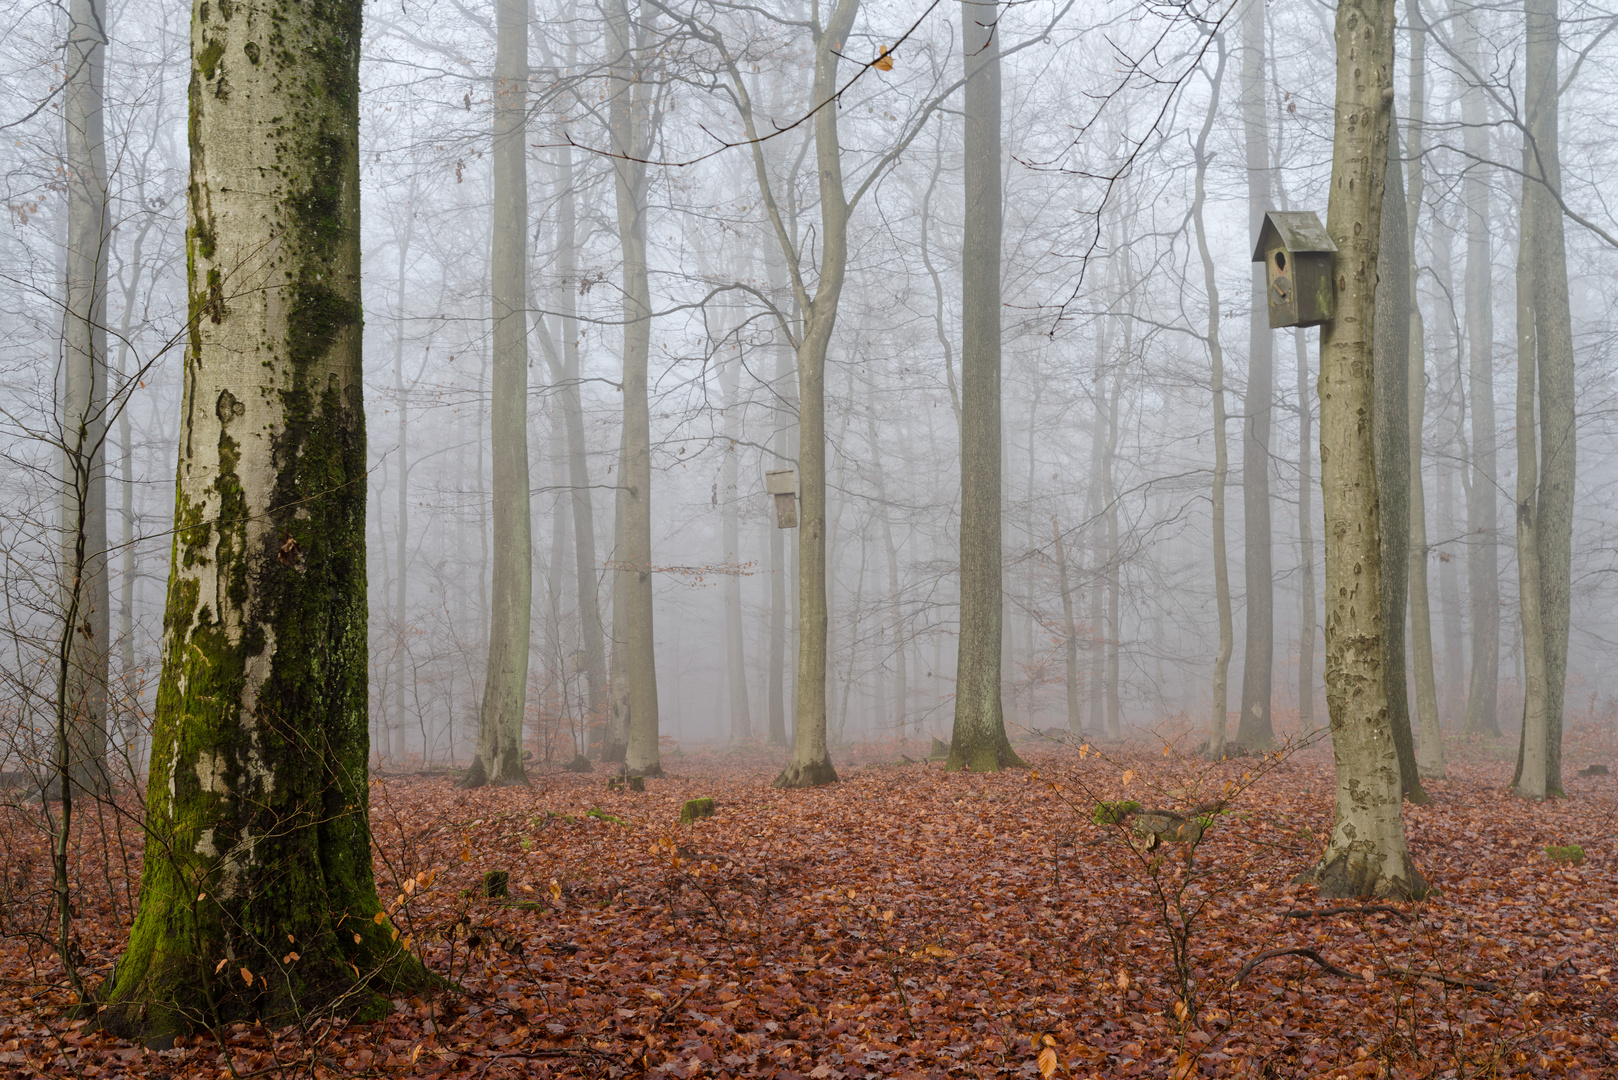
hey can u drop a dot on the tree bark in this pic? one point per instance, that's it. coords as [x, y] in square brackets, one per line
[1256, 729]
[741, 718]
[1216, 358]
[1429, 744]
[1542, 271]
[1482, 503]
[86, 630]
[256, 816]
[1391, 420]
[1366, 853]
[627, 118]
[505, 686]
[1529, 780]
[1306, 543]
[978, 740]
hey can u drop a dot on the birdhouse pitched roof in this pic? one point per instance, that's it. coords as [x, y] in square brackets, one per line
[1298, 230]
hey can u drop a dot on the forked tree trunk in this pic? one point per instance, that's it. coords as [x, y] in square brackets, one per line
[1216, 359]
[1366, 852]
[978, 739]
[86, 638]
[256, 816]
[1256, 729]
[626, 114]
[505, 686]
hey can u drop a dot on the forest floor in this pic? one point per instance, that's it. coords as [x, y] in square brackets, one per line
[906, 922]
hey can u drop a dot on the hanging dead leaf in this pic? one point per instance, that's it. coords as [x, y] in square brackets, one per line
[883, 62]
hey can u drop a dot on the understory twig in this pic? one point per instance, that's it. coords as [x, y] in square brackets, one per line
[1343, 973]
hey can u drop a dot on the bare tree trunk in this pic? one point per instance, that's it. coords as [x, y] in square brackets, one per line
[401, 642]
[978, 741]
[1542, 271]
[1109, 496]
[1451, 344]
[1482, 504]
[257, 805]
[505, 688]
[578, 464]
[619, 705]
[1391, 420]
[1216, 358]
[741, 718]
[1529, 781]
[626, 111]
[1366, 853]
[1429, 744]
[1070, 640]
[1256, 729]
[1306, 543]
[87, 626]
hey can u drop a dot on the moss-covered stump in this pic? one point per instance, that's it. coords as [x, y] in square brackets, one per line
[496, 884]
[1113, 813]
[696, 808]
[579, 764]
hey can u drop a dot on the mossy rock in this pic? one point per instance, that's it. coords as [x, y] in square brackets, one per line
[696, 808]
[1169, 826]
[939, 751]
[1568, 853]
[601, 815]
[1113, 813]
[579, 764]
[497, 884]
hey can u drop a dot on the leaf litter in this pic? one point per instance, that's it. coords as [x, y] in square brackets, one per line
[911, 923]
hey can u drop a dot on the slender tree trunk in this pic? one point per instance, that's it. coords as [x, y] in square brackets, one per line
[1482, 504]
[896, 615]
[619, 703]
[627, 115]
[1256, 729]
[1070, 637]
[1542, 272]
[1366, 853]
[256, 814]
[741, 718]
[1392, 425]
[1429, 744]
[401, 642]
[1109, 495]
[1216, 358]
[978, 740]
[784, 390]
[1306, 542]
[1529, 781]
[578, 464]
[1451, 343]
[1099, 558]
[505, 686]
[87, 625]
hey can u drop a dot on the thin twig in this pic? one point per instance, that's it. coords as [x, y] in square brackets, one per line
[1367, 909]
[1299, 950]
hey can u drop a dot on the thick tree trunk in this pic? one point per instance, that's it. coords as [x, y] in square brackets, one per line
[627, 117]
[1482, 502]
[1392, 426]
[1366, 853]
[1429, 745]
[505, 686]
[86, 637]
[978, 740]
[1529, 781]
[1256, 729]
[256, 816]
[1543, 272]
[578, 464]
[1216, 358]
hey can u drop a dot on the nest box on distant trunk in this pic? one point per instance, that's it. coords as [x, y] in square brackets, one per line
[783, 484]
[1296, 253]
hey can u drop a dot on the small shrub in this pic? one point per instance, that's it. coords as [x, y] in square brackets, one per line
[1571, 853]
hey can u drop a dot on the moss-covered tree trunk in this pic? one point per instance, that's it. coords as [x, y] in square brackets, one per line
[505, 684]
[978, 741]
[257, 897]
[1366, 852]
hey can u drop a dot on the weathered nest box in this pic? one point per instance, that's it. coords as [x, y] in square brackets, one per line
[783, 484]
[1296, 253]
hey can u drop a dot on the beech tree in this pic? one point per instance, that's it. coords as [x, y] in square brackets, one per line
[258, 842]
[1366, 852]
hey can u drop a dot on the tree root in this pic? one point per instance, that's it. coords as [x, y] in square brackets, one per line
[1366, 909]
[1344, 973]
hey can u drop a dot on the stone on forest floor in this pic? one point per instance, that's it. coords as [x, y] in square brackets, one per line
[496, 884]
[1232, 750]
[939, 751]
[580, 764]
[696, 808]
[1167, 825]
[1594, 770]
[1113, 813]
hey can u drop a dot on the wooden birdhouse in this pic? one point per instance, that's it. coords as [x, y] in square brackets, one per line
[783, 484]
[1296, 253]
